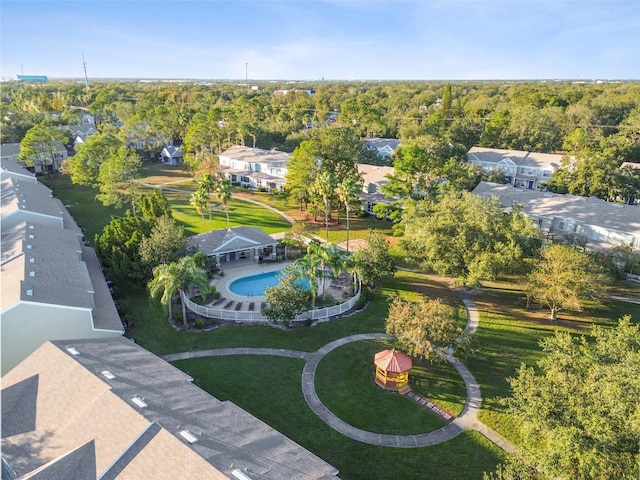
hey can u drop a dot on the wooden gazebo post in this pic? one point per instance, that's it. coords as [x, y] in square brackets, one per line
[392, 371]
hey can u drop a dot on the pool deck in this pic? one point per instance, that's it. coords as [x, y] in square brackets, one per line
[240, 269]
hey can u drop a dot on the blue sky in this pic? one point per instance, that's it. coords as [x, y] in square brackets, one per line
[331, 39]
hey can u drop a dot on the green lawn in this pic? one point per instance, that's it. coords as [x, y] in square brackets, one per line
[345, 384]
[269, 387]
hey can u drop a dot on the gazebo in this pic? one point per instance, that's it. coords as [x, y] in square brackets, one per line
[392, 371]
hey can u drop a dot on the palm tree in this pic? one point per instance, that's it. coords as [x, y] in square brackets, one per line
[223, 189]
[178, 277]
[199, 200]
[348, 192]
[308, 268]
[326, 256]
[207, 184]
[324, 186]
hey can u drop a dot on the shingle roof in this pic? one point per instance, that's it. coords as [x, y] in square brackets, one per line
[24, 196]
[45, 261]
[519, 157]
[77, 404]
[14, 169]
[231, 240]
[590, 210]
[393, 361]
[256, 155]
[374, 173]
[379, 143]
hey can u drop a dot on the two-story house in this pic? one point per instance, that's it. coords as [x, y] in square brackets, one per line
[374, 177]
[522, 169]
[602, 224]
[254, 167]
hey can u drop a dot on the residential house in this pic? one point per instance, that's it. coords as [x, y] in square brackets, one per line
[50, 158]
[172, 155]
[254, 167]
[52, 284]
[522, 169]
[80, 132]
[11, 168]
[109, 409]
[384, 146]
[602, 224]
[374, 177]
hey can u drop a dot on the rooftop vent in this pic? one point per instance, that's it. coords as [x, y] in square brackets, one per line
[188, 436]
[139, 402]
[73, 351]
[31, 235]
[239, 475]
[107, 374]
[32, 273]
[32, 260]
[30, 292]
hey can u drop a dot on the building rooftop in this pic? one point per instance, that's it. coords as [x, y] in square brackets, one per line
[590, 210]
[519, 157]
[115, 411]
[274, 158]
[231, 239]
[374, 173]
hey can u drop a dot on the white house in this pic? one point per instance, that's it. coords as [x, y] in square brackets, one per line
[254, 167]
[374, 177]
[384, 146]
[52, 286]
[523, 169]
[172, 155]
[602, 224]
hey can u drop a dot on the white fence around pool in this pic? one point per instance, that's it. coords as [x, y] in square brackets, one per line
[257, 316]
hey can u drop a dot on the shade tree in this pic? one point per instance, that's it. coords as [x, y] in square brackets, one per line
[578, 409]
[467, 237]
[564, 278]
[425, 328]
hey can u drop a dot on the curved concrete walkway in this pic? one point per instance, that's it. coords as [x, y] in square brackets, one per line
[467, 420]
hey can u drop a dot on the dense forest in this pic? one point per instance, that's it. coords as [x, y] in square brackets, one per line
[598, 124]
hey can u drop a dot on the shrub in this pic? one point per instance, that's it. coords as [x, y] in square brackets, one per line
[199, 323]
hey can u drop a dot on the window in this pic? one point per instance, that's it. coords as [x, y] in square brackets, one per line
[561, 225]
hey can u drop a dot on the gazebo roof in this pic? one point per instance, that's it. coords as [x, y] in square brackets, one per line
[393, 361]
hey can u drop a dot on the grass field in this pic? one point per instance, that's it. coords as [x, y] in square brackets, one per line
[269, 387]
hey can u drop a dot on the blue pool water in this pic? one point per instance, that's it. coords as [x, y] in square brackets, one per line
[255, 285]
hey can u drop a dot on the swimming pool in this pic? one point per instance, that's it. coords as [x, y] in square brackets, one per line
[255, 285]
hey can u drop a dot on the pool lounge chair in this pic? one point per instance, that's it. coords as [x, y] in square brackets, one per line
[238, 305]
[229, 304]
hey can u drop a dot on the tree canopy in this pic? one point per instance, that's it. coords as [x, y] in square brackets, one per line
[578, 412]
[563, 278]
[467, 236]
[424, 328]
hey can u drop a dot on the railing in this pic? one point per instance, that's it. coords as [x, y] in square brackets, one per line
[242, 316]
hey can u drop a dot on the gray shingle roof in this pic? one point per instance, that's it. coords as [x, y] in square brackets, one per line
[590, 210]
[519, 157]
[77, 403]
[274, 158]
[231, 240]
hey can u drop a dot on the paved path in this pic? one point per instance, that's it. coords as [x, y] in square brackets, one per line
[467, 420]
